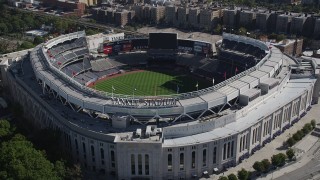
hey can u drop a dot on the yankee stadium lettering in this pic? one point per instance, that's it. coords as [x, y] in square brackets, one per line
[144, 102]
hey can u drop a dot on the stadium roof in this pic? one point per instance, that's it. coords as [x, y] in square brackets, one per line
[292, 90]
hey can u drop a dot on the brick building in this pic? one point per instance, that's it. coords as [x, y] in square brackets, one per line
[247, 19]
[291, 47]
[194, 17]
[74, 8]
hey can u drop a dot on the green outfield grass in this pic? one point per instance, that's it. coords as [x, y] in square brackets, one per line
[150, 83]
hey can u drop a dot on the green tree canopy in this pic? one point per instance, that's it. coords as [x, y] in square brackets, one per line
[232, 177]
[26, 45]
[19, 160]
[243, 174]
[266, 164]
[313, 123]
[3, 29]
[5, 129]
[242, 31]
[278, 159]
[291, 141]
[258, 166]
[223, 178]
[38, 40]
[290, 153]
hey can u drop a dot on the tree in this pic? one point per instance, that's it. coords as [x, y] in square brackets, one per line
[232, 177]
[26, 45]
[313, 123]
[242, 31]
[290, 153]
[243, 174]
[291, 141]
[307, 128]
[74, 173]
[60, 169]
[278, 159]
[266, 164]
[38, 40]
[223, 178]
[218, 29]
[3, 29]
[258, 166]
[19, 160]
[296, 136]
[301, 134]
[5, 129]
[280, 37]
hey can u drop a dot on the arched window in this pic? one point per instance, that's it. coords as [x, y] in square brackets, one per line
[92, 151]
[102, 153]
[181, 161]
[84, 147]
[193, 159]
[140, 164]
[76, 142]
[112, 159]
[204, 157]
[146, 164]
[112, 156]
[133, 165]
[169, 162]
[214, 155]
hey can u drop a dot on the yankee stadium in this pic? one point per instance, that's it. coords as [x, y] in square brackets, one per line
[158, 106]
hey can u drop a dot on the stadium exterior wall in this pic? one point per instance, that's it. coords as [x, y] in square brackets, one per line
[117, 154]
[182, 151]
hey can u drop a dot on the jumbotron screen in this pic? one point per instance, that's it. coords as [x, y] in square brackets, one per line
[163, 41]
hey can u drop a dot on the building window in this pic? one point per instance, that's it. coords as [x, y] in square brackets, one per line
[140, 164]
[193, 160]
[240, 148]
[102, 153]
[133, 165]
[181, 161]
[170, 150]
[224, 150]
[84, 147]
[76, 142]
[204, 157]
[228, 153]
[92, 151]
[112, 159]
[146, 164]
[181, 149]
[232, 146]
[214, 155]
[169, 162]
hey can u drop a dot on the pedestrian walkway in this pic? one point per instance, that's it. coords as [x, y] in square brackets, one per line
[275, 146]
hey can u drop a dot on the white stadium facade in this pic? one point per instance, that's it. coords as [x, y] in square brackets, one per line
[163, 137]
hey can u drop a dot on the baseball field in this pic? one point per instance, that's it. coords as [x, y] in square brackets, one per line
[151, 83]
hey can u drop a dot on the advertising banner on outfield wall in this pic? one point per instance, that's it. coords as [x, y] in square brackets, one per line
[202, 47]
[185, 45]
[118, 46]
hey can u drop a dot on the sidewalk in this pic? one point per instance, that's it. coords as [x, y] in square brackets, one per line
[301, 161]
[275, 146]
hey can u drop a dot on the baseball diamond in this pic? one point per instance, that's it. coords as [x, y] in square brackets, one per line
[152, 83]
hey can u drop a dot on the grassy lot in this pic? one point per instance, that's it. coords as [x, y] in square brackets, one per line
[150, 83]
